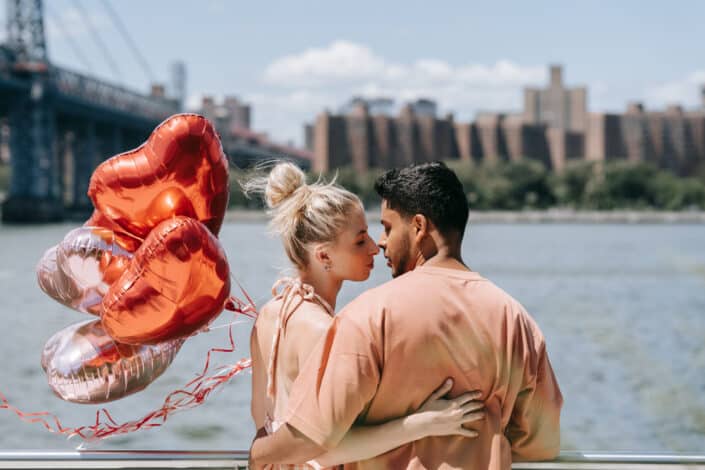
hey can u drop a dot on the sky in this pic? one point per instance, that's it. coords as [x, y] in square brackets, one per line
[291, 60]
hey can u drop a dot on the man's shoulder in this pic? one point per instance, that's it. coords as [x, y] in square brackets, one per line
[517, 314]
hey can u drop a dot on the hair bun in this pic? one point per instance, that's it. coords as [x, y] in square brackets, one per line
[283, 180]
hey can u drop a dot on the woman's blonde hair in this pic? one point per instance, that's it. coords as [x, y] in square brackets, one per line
[302, 214]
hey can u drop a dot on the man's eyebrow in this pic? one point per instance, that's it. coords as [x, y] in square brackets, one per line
[362, 231]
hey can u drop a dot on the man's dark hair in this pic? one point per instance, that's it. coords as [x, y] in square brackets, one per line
[431, 189]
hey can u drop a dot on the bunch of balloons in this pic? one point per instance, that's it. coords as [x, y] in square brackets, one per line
[147, 263]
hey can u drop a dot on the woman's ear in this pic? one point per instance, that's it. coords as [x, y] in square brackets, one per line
[320, 254]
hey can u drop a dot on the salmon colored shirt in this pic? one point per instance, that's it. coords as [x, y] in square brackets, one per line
[390, 348]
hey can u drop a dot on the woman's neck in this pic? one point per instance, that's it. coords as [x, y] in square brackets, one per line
[323, 283]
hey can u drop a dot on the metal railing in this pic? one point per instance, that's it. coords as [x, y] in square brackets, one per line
[238, 460]
[100, 93]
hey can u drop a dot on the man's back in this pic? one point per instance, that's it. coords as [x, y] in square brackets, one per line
[390, 348]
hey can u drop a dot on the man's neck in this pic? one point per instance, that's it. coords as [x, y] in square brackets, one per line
[444, 260]
[442, 253]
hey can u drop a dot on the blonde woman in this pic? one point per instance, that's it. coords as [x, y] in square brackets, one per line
[324, 233]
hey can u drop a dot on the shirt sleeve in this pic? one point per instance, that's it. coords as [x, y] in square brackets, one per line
[534, 428]
[339, 378]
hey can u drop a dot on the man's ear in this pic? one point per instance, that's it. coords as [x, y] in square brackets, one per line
[419, 226]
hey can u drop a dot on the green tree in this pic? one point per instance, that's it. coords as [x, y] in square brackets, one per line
[622, 185]
[570, 186]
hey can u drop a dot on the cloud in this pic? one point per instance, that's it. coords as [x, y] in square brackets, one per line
[342, 61]
[685, 91]
[303, 84]
[345, 63]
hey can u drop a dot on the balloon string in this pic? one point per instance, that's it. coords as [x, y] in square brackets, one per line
[194, 393]
[250, 306]
[220, 327]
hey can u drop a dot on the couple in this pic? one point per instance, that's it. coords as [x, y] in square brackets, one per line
[438, 368]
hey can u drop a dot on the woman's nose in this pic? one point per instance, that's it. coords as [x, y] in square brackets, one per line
[374, 249]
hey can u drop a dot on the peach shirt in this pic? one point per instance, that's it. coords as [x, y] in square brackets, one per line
[390, 348]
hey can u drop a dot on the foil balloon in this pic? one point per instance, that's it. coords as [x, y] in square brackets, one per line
[124, 240]
[177, 282]
[180, 170]
[85, 365]
[78, 271]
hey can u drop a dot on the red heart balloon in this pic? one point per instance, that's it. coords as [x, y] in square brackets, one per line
[123, 239]
[180, 170]
[177, 282]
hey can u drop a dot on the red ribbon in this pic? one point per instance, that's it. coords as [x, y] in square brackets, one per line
[192, 395]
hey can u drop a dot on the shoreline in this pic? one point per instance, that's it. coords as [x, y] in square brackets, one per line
[550, 216]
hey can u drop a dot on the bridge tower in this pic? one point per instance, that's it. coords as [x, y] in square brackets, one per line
[35, 188]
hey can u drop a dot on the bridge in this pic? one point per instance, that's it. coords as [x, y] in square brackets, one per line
[62, 124]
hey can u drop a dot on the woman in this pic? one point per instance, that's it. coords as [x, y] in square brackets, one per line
[324, 232]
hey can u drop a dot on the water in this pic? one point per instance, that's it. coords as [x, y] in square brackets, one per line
[622, 307]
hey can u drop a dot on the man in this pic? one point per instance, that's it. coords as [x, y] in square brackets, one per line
[389, 348]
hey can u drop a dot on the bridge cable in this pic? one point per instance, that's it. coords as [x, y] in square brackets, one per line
[74, 45]
[128, 39]
[98, 40]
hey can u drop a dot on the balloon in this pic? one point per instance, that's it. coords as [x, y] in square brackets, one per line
[177, 282]
[78, 271]
[180, 170]
[147, 261]
[85, 365]
[125, 240]
[54, 282]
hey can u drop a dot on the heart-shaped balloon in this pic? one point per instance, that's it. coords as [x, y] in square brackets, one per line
[177, 282]
[180, 170]
[78, 271]
[85, 365]
[123, 239]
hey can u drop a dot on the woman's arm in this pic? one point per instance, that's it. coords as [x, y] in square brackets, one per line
[259, 380]
[436, 417]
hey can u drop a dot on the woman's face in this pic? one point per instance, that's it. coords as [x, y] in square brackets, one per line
[352, 253]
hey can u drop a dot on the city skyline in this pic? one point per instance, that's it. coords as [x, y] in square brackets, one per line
[290, 62]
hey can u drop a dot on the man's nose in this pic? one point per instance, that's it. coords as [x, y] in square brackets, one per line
[382, 242]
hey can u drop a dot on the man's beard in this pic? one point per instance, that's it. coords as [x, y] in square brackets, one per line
[402, 267]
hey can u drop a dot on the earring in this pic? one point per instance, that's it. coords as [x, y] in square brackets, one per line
[327, 267]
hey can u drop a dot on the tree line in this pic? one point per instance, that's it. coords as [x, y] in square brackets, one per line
[528, 184]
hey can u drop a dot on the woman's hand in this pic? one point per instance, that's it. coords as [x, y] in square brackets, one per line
[440, 417]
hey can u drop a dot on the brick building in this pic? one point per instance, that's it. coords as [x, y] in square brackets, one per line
[229, 114]
[672, 139]
[554, 128]
[365, 139]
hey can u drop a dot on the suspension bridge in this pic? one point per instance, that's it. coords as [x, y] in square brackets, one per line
[63, 123]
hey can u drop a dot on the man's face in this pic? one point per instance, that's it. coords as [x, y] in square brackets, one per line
[396, 241]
